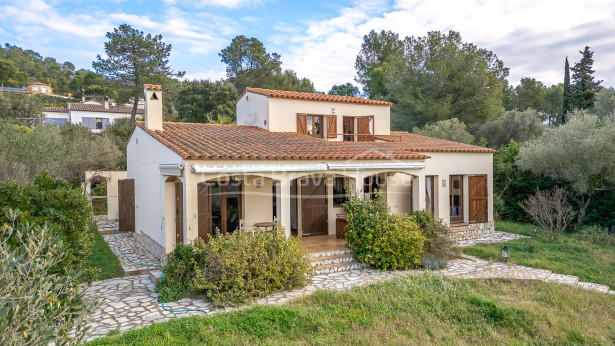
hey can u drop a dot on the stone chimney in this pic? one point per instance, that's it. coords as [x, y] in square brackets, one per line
[153, 107]
[106, 102]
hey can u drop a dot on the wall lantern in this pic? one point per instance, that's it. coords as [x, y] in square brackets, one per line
[506, 253]
[535, 231]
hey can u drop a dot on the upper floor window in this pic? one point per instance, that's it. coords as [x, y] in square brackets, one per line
[358, 129]
[35, 87]
[314, 126]
[44, 90]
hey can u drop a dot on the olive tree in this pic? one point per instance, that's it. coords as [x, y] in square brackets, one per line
[451, 129]
[580, 153]
[519, 126]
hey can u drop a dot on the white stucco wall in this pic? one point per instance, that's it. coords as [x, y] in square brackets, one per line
[253, 110]
[56, 115]
[280, 115]
[443, 165]
[144, 155]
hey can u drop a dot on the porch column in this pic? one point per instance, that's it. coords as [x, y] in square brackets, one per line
[419, 192]
[285, 205]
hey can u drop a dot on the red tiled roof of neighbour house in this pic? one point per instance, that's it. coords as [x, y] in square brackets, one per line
[55, 109]
[235, 142]
[153, 87]
[421, 143]
[315, 97]
[101, 108]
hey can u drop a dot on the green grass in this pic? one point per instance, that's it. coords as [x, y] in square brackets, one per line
[102, 258]
[570, 255]
[423, 309]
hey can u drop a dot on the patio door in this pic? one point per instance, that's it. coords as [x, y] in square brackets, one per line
[456, 195]
[314, 206]
[220, 207]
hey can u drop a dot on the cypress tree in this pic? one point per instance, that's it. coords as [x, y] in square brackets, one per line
[566, 107]
[585, 87]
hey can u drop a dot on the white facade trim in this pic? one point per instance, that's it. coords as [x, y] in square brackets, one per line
[308, 167]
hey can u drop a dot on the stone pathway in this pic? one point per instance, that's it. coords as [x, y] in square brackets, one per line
[129, 245]
[130, 302]
[488, 238]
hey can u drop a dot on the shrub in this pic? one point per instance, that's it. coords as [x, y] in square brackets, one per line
[39, 304]
[597, 235]
[379, 237]
[550, 211]
[232, 269]
[54, 202]
[437, 243]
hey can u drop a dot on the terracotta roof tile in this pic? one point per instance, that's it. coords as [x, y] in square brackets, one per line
[234, 142]
[55, 109]
[82, 107]
[315, 97]
[421, 143]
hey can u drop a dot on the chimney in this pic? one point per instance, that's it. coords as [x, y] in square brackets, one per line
[153, 107]
[106, 102]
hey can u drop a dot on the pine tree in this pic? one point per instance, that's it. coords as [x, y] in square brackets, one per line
[585, 87]
[566, 107]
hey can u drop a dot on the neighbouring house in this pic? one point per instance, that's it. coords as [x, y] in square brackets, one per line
[93, 115]
[287, 161]
[39, 88]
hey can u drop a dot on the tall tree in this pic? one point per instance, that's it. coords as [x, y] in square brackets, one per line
[248, 64]
[344, 90]
[567, 91]
[378, 50]
[441, 77]
[133, 59]
[203, 101]
[605, 103]
[584, 86]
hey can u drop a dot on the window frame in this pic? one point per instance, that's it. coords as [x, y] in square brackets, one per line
[310, 125]
[458, 218]
[339, 198]
[99, 120]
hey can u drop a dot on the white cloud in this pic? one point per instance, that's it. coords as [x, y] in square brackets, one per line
[233, 4]
[532, 37]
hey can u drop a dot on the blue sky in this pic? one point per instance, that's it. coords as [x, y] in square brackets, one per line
[320, 39]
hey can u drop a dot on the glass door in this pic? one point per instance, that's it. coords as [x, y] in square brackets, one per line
[456, 194]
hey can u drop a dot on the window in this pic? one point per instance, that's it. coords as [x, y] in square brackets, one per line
[99, 123]
[372, 184]
[43, 90]
[456, 195]
[339, 191]
[348, 125]
[35, 87]
[314, 126]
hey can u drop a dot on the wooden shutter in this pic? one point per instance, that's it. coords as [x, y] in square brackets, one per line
[332, 126]
[302, 124]
[363, 129]
[204, 215]
[105, 123]
[478, 198]
[126, 199]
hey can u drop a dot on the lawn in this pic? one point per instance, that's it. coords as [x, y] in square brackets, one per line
[424, 308]
[102, 258]
[570, 255]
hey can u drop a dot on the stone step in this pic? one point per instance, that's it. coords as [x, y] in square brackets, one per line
[563, 279]
[109, 231]
[154, 276]
[330, 253]
[463, 236]
[594, 287]
[325, 260]
[463, 231]
[338, 267]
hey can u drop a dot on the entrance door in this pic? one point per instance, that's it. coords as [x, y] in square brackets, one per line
[314, 211]
[126, 198]
[179, 213]
[456, 198]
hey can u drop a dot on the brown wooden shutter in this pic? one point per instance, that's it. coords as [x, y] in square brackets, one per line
[363, 129]
[302, 124]
[478, 198]
[204, 214]
[332, 126]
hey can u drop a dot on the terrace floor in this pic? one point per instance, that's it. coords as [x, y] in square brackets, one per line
[323, 243]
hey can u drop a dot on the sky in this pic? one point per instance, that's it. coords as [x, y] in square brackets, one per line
[320, 39]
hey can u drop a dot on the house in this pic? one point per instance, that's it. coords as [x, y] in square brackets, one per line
[287, 160]
[92, 115]
[39, 88]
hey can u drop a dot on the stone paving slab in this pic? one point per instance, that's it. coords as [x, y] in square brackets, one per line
[129, 246]
[488, 238]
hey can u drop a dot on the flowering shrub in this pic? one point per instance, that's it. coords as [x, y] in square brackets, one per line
[379, 237]
[232, 269]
